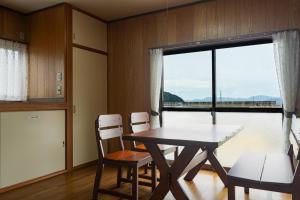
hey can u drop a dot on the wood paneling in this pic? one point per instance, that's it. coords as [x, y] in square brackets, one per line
[129, 40]
[13, 26]
[47, 52]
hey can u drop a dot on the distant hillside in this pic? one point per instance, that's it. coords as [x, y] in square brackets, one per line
[252, 98]
[168, 97]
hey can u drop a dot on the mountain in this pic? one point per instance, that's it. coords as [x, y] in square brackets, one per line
[168, 97]
[252, 98]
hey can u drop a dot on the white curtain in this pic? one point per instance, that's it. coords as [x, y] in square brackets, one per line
[13, 71]
[286, 50]
[156, 67]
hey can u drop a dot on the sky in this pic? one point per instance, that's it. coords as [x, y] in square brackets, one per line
[241, 72]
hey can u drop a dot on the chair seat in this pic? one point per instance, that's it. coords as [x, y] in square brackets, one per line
[166, 149]
[129, 156]
[263, 169]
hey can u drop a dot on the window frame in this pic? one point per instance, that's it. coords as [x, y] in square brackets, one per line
[213, 47]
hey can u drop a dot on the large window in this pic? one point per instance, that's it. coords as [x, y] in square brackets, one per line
[226, 85]
[239, 78]
[13, 71]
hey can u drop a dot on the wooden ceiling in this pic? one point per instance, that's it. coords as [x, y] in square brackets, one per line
[105, 9]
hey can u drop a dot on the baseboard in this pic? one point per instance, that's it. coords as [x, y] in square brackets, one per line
[38, 179]
[84, 165]
[81, 166]
[35, 180]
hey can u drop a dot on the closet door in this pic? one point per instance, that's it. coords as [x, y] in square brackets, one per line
[32, 145]
[89, 99]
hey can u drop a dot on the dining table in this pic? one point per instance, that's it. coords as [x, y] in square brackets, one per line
[199, 145]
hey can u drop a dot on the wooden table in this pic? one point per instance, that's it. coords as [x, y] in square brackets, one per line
[205, 137]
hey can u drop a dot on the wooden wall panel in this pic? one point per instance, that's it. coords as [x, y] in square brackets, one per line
[47, 52]
[13, 26]
[128, 60]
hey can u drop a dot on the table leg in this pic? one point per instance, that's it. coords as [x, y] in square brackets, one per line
[178, 192]
[170, 175]
[193, 172]
[218, 167]
[163, 187]
[161, 191]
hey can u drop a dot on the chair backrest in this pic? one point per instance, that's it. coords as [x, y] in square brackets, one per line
[108, 127]
[139, 122]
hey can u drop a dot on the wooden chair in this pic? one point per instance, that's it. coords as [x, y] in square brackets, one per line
[107, 127]
[139, 121]
[274, 172]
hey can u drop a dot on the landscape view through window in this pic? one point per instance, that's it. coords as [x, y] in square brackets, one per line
[245, 77]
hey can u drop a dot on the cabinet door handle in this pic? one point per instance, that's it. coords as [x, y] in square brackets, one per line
[35, 117]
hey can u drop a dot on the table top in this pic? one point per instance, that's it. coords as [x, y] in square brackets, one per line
[206, 134]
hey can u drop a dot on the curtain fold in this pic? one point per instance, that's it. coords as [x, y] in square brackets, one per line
[156, 67]
[286, 52]
[13, 71]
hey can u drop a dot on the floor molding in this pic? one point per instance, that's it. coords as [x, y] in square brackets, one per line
[84, 165]
[31, 181]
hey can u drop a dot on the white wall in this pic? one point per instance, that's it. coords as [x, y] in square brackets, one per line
[31, 145]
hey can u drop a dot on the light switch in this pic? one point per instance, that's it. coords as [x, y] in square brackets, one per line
[59, 90]
[59, 76]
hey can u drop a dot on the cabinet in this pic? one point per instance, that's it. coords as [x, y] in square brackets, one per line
[13, 25]
[89, 84]
[31, 145]
[89, 32]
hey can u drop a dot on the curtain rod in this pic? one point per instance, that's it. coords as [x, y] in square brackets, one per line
[264, 35]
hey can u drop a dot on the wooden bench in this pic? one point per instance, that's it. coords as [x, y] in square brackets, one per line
[273, 172]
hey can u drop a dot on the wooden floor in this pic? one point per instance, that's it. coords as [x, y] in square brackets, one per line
[78, 186]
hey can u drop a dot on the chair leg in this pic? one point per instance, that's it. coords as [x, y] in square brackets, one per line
[146, 169]
[296, 196]
[97, 181]
[153, 176]
[231, 192]
[176, 153]
[129, 173]
[119, 176]
[135, 183]
[246, 190]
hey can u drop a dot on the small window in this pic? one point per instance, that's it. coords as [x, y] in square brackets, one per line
[13, 71]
